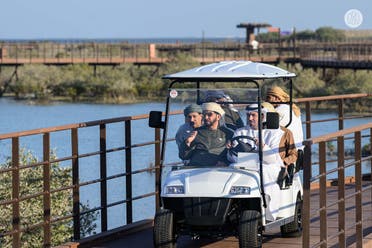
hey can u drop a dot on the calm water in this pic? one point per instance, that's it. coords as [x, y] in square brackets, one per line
[21, 115]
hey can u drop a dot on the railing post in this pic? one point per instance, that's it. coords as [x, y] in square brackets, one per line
[15, 193]
[341, 191]
[294, 43]
[110, 51]
[203, 50]
[52, 53]
[72, 52]
[46, 189]
[30, 49]
[58, 54]
[136, 52]
[103, 175]
[128, 170]
[370, 152]
[16, 53]
[358, 190]
[308, 120]
[44, 51]
[323, 194]
[75, 182]
[97, 52]
[340, 114]
[157, 169]
[306, 200]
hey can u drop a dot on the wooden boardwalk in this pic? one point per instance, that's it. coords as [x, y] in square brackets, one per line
[131, 60]
[339, 55]
[271, 239]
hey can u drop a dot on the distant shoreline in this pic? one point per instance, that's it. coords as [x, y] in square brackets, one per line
[165, 40]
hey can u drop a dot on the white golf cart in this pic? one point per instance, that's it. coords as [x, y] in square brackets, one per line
[230, 200]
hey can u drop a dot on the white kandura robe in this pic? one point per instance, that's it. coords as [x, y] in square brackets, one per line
[295, 126]
[272, 164]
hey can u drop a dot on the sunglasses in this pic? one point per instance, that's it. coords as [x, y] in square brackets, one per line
[209, 114]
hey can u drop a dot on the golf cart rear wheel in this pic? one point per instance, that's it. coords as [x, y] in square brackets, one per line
[250, 229]
[294, 228]
[164, 234]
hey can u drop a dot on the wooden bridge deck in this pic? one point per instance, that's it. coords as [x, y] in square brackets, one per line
[143, 238]
[339, 55]
[131, 60]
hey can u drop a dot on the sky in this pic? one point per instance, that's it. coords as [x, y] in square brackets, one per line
[105, 19]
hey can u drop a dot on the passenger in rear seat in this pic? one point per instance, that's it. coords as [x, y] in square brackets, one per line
[287, 151]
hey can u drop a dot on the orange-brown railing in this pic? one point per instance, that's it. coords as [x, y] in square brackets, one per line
[49, 217]
[73, 130]
[358, 221]
[118, 52]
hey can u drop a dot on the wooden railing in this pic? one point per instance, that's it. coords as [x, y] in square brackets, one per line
[318, 145]
[49, 216]
[336, 100]
[325, 206]
[73, 133]
[109, 53]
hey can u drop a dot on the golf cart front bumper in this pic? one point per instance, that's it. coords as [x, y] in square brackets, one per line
[199, 211]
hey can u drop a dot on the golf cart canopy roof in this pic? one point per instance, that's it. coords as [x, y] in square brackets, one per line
[231, 70]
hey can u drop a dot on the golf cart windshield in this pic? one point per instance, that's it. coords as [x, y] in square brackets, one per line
[233, 98]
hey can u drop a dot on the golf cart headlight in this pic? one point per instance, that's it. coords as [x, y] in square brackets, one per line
[240, 190]
[175, 190]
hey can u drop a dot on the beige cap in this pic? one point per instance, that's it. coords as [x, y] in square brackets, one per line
[278, 92]
[212, 106]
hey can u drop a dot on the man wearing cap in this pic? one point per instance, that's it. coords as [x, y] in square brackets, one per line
[193, 119]
[232, 118]
[207, 146]
[287, 150]
[272, 162]
[287, 147]
[277, 95]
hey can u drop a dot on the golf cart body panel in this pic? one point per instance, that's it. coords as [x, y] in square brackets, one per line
[204, 182]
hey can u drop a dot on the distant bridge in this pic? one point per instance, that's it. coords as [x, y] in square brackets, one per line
[339, 55]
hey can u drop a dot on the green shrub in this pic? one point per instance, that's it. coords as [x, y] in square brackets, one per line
[31, 182]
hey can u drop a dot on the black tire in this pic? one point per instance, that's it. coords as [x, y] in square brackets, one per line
[164, 229]
[294, 228]
[250, 229]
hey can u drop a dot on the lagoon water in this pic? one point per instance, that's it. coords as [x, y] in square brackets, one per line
[25, 115]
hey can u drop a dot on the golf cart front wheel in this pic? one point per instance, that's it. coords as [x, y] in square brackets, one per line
[164, 234]
[250, 229]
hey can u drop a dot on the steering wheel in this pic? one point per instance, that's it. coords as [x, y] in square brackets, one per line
[239, 137]
[242, 146]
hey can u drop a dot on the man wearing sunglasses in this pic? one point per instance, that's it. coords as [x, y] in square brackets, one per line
[231, 117]
[207, 145]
